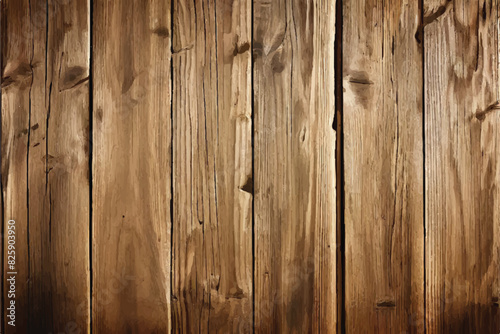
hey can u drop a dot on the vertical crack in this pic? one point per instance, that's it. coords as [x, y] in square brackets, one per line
[217, 116]
[422, 27]
[50, 216]
[47, 168]
[339, 162]
[252, 140]
[27, 168]
[172, 296]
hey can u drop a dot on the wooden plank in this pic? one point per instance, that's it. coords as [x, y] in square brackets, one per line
[212, 232]
[17, 76]
[47, 91]
[295, 196]
[131, 166]
[462, 166]
[59, 168]
[384, 237]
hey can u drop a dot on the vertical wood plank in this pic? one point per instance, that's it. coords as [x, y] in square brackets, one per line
[49, 90]
[131, 166]
[384, 237]
[59, 168]
[295, 194]
[17, 76]
[212, 232]
[462, 166]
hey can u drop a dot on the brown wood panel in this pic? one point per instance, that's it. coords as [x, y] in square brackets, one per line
[131, 166]
[45, 116]
[213, 201]
[462, 166]
[295, 188]
[212, 167]
[17, 76]
[384, 236]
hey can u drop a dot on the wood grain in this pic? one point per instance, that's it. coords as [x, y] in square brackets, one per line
[45, 73]
[212, 232]
[384, 237]
[210, 165]
[17, 76]
[462, 166]
[131, 166]
[295, 208]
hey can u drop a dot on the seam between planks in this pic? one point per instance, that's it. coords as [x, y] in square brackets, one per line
[91, 140]
[339, 162]
[422, 44]
[172, 313]
[2, 322]
[252, 135]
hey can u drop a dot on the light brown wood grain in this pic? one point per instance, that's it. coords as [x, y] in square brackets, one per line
[295, 188]
[384, 236]
[462, 166]
[131, 166]
[212, 166]
[45, 67]
[217, 166]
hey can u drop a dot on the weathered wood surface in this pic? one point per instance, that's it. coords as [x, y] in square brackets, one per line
[17, 53]
[295, 208]
[192, 180]
[462, 125]
[383, 159]
[131, 185]
[45, 160]
[212, 166]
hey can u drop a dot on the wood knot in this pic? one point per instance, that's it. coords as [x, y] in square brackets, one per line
[418, 36]
[239, 49]
[360, 81]
[303, 134]
[162, 32]
[235, 293]
[99, 114]
[23, 132]
[277, 64]
[215, 282]
[73, 77]
[248, 185]
[386, 303]
[18, 75]
[481, 115]
[440, 11]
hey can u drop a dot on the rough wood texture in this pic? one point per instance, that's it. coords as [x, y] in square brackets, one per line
[462, 166]
[223, 159]
[384, 237]
[212, 232]
[131, 167]
[45, 110]
[295, 209]
[17, 52]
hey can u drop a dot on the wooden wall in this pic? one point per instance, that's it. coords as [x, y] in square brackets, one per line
[240, 166]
